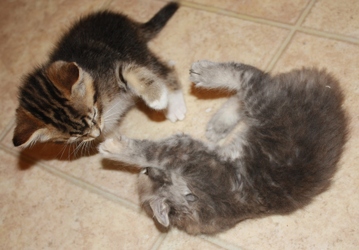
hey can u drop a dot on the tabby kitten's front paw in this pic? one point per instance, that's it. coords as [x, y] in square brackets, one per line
[204, 73]
[176, 109]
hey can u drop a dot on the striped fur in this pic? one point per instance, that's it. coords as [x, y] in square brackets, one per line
[82, 91]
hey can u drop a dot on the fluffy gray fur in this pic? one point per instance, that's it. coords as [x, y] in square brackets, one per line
[293, 136]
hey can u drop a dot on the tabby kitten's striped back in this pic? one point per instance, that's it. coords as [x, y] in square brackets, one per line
[93, 76]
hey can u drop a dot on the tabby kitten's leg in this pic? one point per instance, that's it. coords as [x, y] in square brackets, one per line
[229, 75]
[158, 87]
[224, 120]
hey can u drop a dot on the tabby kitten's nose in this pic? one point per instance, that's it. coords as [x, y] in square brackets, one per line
[95, 133]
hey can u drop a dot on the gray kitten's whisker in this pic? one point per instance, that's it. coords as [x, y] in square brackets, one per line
[284, 137]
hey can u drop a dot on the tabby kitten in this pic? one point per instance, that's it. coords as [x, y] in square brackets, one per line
[293, 136]
[93, 76]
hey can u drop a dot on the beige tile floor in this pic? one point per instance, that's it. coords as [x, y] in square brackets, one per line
[48, 202]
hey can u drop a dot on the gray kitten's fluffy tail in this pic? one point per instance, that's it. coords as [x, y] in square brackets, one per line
[158, 21]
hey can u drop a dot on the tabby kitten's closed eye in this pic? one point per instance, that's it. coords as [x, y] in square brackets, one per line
[93, 76]
[294, 130]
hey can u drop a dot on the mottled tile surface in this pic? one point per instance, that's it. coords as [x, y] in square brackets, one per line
[281, 10]
[335, 16]
[42, 211]
[89, 203]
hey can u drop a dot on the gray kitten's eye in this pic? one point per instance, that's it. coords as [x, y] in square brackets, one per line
[191, 197]
[144, 171]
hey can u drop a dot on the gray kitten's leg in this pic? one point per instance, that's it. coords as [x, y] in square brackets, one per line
[147, 153]
[229, 75]
[158, 90]
[224, 120]
[127, 150]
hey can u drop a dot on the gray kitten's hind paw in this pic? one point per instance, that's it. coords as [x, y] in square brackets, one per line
[204, 73]
[224, 120]
[216, 132]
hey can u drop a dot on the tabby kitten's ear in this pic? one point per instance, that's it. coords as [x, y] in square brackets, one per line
[160, 210]
[67, 77]
[28, 129]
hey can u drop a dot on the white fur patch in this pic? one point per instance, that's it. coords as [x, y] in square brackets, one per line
[176, 106]
[162, 102]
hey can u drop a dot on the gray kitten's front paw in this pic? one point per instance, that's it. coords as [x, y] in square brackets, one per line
[113, 146]
[204, 73]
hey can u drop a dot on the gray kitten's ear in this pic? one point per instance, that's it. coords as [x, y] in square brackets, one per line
[160, 210]
[66, 76]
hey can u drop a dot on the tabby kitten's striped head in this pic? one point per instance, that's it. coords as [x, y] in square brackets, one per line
[58, 103]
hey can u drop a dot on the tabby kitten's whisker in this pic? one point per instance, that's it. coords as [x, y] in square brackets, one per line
[85, 80]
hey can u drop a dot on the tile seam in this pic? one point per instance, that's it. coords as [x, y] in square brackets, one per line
[221, 243]
[106, 4]
[281, 49]
[298, 27]
[286, 42]
[74, 180]
[7, 129]
[159, 241]
[89, 187]
[329, 35]
[235, 15]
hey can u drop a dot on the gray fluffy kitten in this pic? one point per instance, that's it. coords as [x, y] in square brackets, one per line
[295, 130]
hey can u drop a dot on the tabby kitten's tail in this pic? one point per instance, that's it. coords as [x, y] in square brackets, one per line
[151, 28]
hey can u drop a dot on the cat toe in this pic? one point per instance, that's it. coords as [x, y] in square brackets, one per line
[199, 72]
[176, 110]
[176, 115]
[105, 147]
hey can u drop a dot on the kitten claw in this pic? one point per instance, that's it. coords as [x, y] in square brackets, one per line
[191, 71]
[201, 72]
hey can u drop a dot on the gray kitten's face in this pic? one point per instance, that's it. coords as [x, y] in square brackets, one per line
[167, 197]
[190, 201]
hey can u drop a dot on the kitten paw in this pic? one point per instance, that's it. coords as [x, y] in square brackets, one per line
[202, 73]
[160, 103]
[176, 107]
[216, 132]
[113, 146]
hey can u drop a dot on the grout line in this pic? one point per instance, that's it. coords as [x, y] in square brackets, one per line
[74, 180]
[89, 187]
[305, 13]
[234, 14]
[293, 28]
[285, 44]
[106, 4]
[329, 35]
[161, 238]
[7, 129]
[221, 243]
[281, 49]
